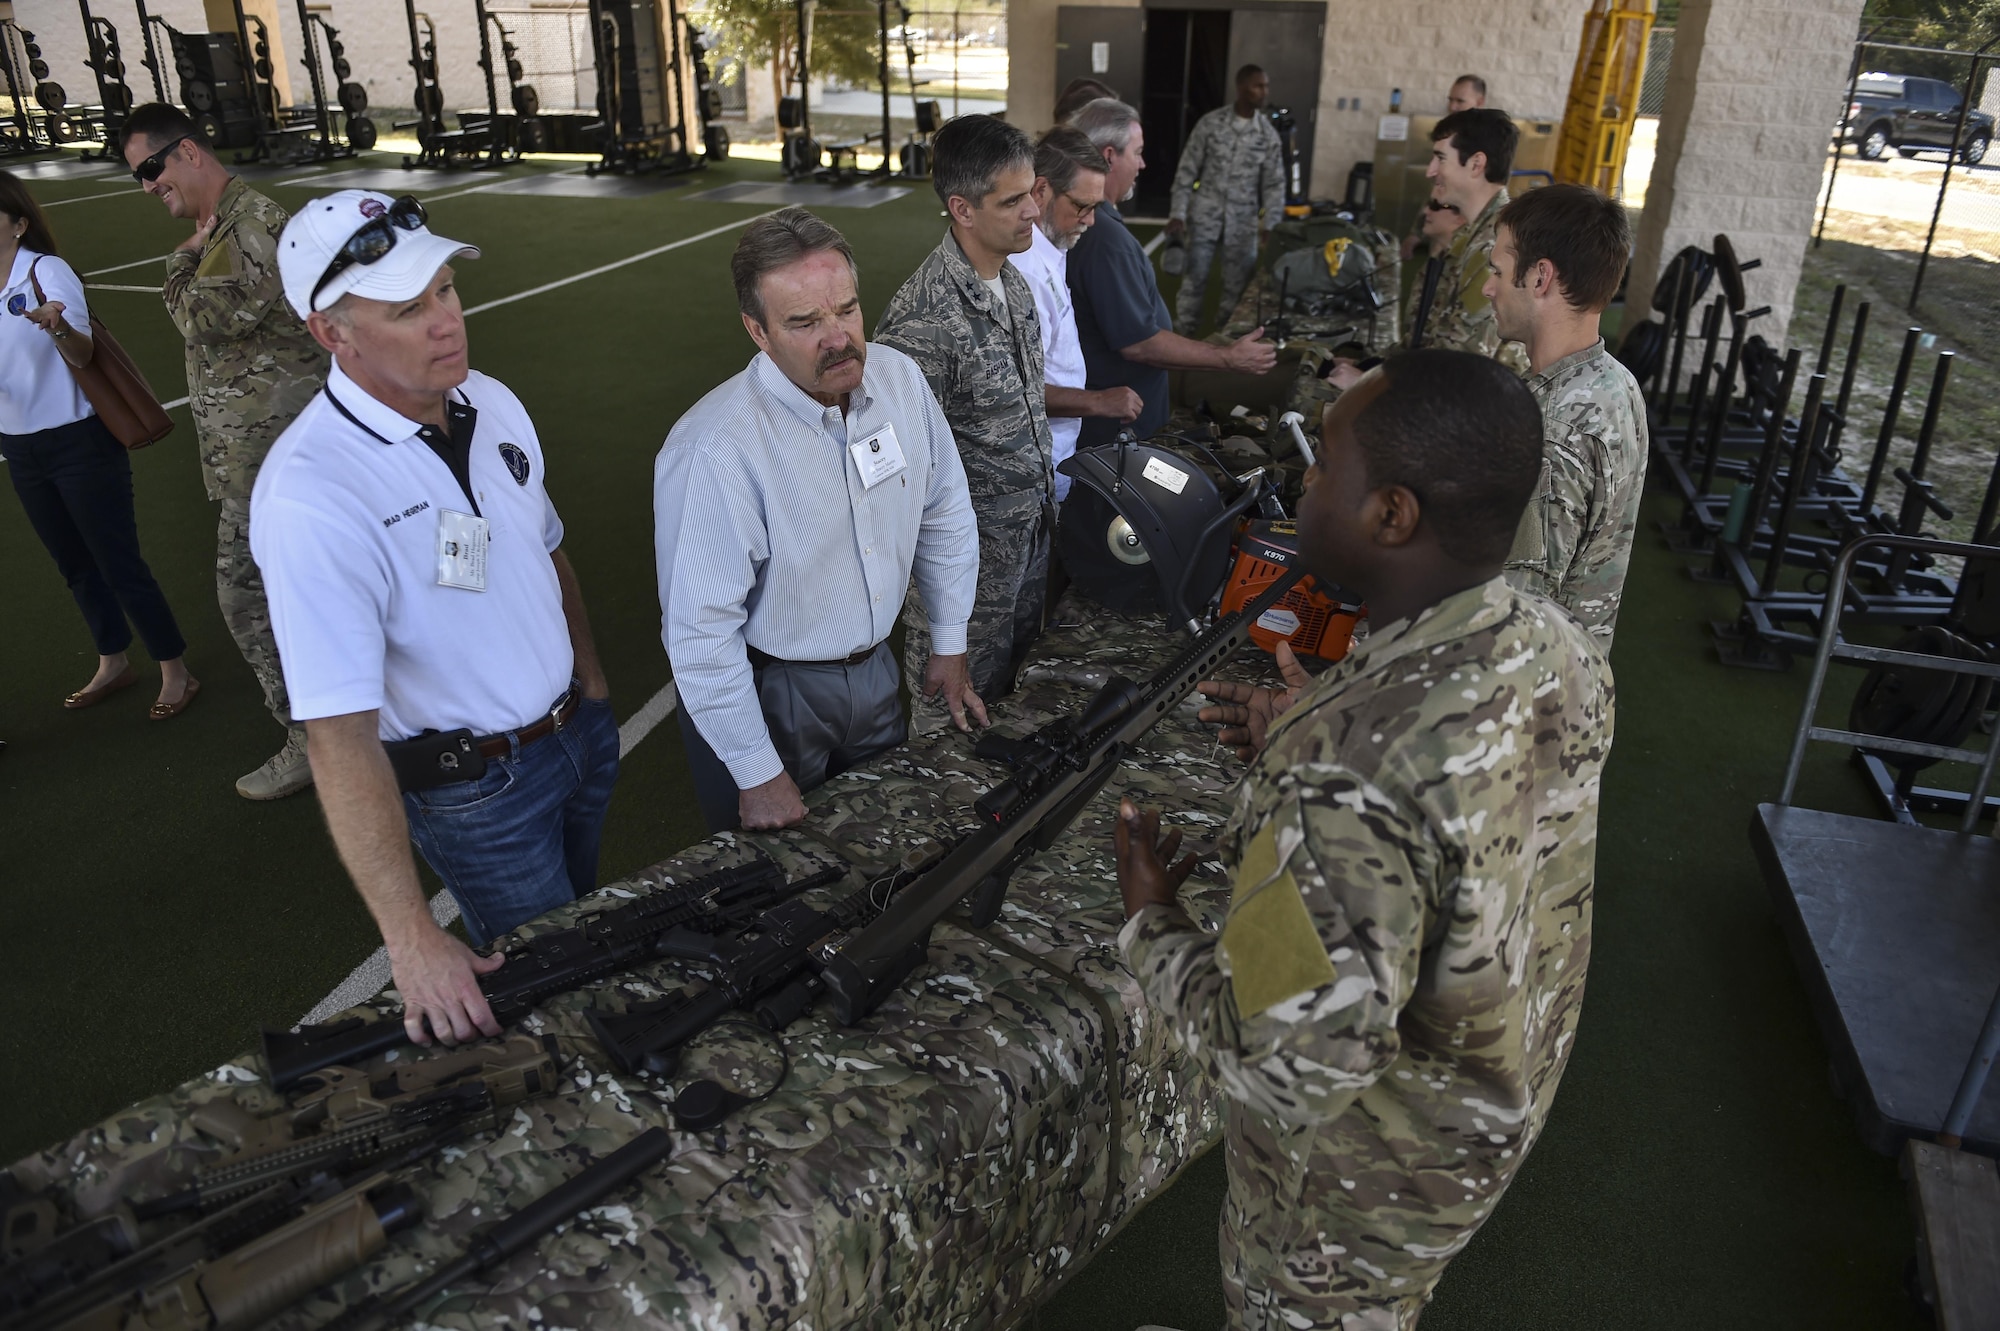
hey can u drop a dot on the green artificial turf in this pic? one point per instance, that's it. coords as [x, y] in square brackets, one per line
[1696, 1172]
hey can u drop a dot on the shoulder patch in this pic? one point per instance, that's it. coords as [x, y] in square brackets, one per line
[219, 261]
[1274, 950]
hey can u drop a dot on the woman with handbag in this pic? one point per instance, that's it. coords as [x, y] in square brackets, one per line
[71, 473]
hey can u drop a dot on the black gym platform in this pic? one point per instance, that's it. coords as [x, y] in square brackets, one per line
[1896, 934]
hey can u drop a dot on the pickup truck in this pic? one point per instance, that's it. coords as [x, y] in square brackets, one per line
[1911, 115]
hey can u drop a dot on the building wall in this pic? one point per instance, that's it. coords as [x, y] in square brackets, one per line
[1524, 49]
[1755, 90]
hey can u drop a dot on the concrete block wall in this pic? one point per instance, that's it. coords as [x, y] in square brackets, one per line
[1754, 93]
[1524, 49]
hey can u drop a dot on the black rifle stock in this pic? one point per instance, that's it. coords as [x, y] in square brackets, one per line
[771, 964]
[517, 1231]
[612, 940]
[1420, 321]
[1028, 811]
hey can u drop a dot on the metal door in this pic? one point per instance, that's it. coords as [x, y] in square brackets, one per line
[1096, 42]
[1287, 41]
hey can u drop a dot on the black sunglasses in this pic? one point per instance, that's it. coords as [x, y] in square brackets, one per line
[375, 239]
[149, 170]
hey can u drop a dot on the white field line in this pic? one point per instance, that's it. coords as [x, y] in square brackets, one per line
[121, 267]
[1155, 243]
[86, 198]
[372, 976]
[616, 264]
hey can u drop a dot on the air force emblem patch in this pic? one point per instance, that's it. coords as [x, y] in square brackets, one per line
[517, 462]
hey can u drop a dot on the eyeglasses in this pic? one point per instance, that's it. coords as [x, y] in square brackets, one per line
[149, 170]
[372, 242]
[1082, 209]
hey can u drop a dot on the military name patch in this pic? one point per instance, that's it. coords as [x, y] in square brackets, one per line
[517, 462]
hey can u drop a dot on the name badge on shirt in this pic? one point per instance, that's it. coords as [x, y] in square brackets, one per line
[878, 457]
[462, 550]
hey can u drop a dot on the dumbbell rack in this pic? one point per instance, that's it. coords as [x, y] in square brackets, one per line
[106, 61]
[24, 76]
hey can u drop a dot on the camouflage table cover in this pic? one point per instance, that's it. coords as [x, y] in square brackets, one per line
[947, 1163]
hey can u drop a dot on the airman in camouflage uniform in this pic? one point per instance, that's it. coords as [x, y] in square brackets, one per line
[251, 368]
[982, 355]
[1576, 537]
[1556, 263]
[1461, 315]
[1228, 190]
[1393, 995]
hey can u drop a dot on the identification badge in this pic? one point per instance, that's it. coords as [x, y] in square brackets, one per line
[878, 457]
[462, 550]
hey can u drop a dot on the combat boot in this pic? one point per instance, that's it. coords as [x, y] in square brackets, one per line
[287, 772]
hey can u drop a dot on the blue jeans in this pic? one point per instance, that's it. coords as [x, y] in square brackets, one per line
[522, 839]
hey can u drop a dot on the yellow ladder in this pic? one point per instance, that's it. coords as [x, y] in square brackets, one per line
[1604, 94]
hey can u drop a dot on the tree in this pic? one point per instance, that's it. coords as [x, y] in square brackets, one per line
[845, 40]
[1962, 25]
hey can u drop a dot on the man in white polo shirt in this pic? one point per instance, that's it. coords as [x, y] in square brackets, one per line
[1069, 184]
[791, 506]
[432, 631]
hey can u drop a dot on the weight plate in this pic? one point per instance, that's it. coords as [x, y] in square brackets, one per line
[51, 96]
[200, 96]
[353, 98]
[800, 154]
[341, 69]
[361, 132]
[27, 39]
[514, 71]
[39, 68]
[527, 101]
[711, 104]
[59, 129]
[184, 67]
[334, 46]
[210, 125]
[430, 100]
[263, 67]
[427, 70]
[112, 68]
[716, 139]
[117, 98]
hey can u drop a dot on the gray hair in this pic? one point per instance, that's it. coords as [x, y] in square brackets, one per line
[778, 241]
[1061, 153]
[1108, 122]
[970, 152]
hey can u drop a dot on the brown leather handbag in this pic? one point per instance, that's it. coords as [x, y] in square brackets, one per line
[121, 395]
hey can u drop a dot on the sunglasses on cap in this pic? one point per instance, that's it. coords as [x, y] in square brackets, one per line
[149, 170]
[372, 242]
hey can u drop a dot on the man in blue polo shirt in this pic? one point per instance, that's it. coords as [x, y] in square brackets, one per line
[1122, 321]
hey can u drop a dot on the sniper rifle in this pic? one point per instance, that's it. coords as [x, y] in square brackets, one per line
[568, 1198]
[864, 946]
[600, 944]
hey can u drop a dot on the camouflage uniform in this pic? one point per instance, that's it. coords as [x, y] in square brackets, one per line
[1576, 537]
[251, 367]
[984, 363]
[1461, 316]
[946, 1164]
[1230, 169]
[1394, 993]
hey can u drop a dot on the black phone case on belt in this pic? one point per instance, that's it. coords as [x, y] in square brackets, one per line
[435, 758]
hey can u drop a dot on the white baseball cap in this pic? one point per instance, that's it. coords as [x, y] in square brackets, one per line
[319, 231]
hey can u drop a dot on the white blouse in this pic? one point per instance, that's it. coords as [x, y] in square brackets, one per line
[37, 390]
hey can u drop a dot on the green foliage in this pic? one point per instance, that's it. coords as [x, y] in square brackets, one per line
[1963, 25]
[845, 38]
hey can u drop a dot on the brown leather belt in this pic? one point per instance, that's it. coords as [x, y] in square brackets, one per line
[498, 746]
[758, 658]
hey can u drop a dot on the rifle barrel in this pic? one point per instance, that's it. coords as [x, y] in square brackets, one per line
[853, 975]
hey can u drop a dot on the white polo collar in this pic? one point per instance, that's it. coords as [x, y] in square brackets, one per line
[362, 408]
